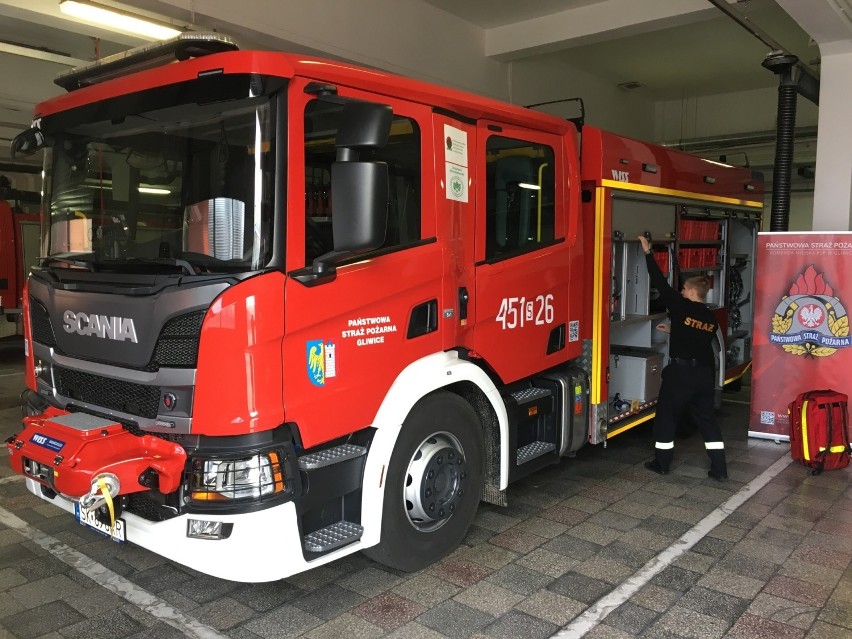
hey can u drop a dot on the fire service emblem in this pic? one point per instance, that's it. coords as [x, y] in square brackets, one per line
[810, 320]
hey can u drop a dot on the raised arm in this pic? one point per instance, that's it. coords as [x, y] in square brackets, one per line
[668, 295]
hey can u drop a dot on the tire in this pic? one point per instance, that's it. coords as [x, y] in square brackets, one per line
[429, 503]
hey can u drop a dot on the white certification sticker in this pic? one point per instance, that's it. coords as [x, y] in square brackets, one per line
[456, 161]
[455, 145]
[456, 182]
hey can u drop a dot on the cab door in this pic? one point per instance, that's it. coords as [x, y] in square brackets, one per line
[522, 258]
[348, 338]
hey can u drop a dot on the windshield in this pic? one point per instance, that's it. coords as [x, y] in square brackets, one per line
[180, 175]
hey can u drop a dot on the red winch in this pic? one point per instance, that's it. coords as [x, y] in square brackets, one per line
[69, 452]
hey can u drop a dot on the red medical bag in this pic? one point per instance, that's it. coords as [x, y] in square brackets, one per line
[819, 430]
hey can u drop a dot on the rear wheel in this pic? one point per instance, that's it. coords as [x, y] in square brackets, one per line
[433, 484]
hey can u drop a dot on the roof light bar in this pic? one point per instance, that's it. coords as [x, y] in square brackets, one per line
[182, 47]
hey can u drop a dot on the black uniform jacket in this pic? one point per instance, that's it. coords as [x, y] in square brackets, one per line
[693, 324]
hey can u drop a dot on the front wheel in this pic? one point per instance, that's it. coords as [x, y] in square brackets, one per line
[434, 481]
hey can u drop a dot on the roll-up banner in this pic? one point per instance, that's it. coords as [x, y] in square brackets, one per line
[801, 339]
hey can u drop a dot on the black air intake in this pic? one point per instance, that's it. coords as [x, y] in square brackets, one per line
[40, 323]
[114, 394]
[177, 346]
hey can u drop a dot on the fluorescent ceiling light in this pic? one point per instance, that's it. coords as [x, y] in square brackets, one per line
[150, 190]
[531, 187]
[117, 20]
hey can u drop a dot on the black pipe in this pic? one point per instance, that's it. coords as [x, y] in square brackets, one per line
[781, 177]
[783, 64]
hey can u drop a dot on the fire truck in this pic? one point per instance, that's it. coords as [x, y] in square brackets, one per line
[19, 250]
[290, 309]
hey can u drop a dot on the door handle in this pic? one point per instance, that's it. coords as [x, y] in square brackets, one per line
[464, 296]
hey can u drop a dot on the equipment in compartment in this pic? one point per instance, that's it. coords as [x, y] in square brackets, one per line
[689, 229]
[630, 281]
[635, 373]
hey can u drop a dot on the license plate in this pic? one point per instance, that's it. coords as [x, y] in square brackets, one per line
[87, 518]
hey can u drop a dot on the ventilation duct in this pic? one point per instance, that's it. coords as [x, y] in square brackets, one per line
[783, 64]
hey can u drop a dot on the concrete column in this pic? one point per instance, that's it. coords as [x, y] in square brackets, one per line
[833, 182]
[829, 23]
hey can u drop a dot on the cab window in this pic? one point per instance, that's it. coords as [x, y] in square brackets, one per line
[520, 196]
[402, 155]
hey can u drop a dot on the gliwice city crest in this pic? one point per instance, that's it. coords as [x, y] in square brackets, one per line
[810, 320]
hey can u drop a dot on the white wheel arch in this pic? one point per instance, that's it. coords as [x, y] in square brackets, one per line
[417, 380]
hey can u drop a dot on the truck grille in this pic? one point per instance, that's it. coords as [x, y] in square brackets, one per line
[144, 505]
[177, 345]
[134, 399]
[40, 323]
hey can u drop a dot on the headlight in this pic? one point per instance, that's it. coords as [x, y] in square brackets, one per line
[229, 479]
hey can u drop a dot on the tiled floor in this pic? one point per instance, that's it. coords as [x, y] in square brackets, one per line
[777, 567]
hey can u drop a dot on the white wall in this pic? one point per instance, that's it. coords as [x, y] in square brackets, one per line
[833, 201]
[723, 114]
[427, 44]
[744, 112]
[801, 212]
[607, 107]
[829, 24]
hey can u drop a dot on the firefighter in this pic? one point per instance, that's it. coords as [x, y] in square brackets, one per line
[688, 381]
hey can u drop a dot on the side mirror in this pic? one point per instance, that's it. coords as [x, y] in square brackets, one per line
[359, 189]
[28, 142]
[365, 125]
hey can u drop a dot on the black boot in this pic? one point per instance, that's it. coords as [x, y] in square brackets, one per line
[718, 465]
[661, 462]
[654, 466]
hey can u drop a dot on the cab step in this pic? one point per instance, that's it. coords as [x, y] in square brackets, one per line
[533, 450]
[334, 536]
[533, 433]
[329, 456]
[530, 395]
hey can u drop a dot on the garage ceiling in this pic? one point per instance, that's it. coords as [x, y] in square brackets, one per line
[704, 53]
[496, 13]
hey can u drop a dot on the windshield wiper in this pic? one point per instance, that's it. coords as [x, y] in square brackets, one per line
[54, 259]
[174, 261]
[165, 261]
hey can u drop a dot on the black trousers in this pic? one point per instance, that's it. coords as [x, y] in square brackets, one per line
[688, 391]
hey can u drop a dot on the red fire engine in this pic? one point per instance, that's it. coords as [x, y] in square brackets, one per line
[19, 237]
[290, 309]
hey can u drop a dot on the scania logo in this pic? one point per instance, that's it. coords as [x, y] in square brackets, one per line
[117, 328]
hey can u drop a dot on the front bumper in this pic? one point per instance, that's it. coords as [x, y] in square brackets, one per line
[263, 545]
[61, 454]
